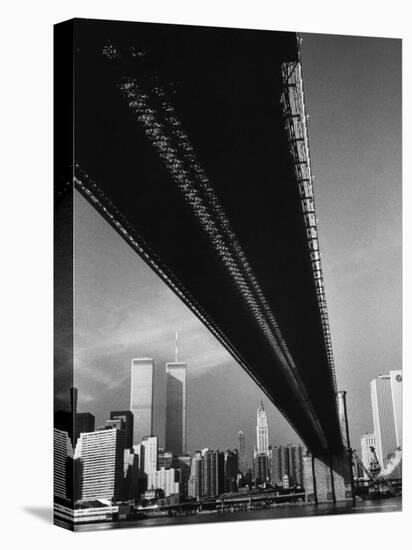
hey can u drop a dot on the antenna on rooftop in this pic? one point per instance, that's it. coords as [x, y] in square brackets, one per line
[176, 355]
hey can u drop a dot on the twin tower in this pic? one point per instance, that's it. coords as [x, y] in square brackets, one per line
[142, 405]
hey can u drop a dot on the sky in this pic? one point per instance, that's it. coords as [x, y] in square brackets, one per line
[123, 310]
[353, 96]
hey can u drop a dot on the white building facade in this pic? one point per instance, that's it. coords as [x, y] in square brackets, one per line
[62, 454]
[262, 431]
[141, 398]
[396, 389]
[101, 456]
[386, 408]
[166, 480]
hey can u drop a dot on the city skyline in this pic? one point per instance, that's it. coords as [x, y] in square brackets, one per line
[110, 465]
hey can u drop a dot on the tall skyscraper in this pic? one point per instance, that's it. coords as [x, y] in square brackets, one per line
[384, 425]
[396, 389]
[242, 455]
[287, 460]
[141, 398]
[196, 476]
[367, 441]
[176, 406]
[101, 456]
[231, 470]
[280, 464]
[213, 473]
[127, 417]
[262, 432]
[295, 464]
[261, 468]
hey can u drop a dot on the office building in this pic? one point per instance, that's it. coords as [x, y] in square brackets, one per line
[127, 417]
[176, 406]
[62, 465]
[231, 468]
[396, 390]
[262, 432]
[182, 464]
[383, 408]
[141, 398]
[287, 460]
[101, 456]
[165, 480]
[148, 452]
[213, 473]
[164, 459]
[96, 512]
[115, 423]
[195, 489]
[242, 453]
[295, 456]
[277, 469]
[261, 468]
[135, 480]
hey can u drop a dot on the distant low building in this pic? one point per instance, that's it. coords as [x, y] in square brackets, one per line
[367, 441]
[63, 465]
[153, 494]
[166, 480]
[127, 417]
[84, 423]
[183, 465]
[91, 511]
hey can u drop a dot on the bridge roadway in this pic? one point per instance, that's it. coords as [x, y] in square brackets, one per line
[192, 143]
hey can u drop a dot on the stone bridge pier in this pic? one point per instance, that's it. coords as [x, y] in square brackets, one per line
[328, 478]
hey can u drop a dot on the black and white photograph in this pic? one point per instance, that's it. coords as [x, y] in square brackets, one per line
[228, 274]
[205, 274]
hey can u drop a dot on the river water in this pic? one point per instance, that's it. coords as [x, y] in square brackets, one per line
[279, 511]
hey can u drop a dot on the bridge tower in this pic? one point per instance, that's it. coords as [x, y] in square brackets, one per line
[328, 477]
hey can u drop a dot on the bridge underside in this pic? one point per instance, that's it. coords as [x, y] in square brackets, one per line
[178, 130]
